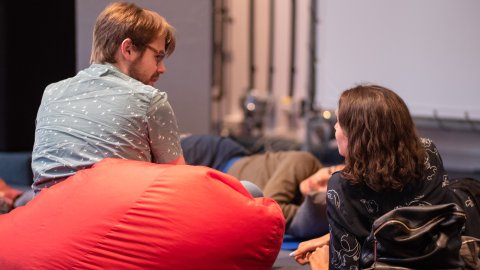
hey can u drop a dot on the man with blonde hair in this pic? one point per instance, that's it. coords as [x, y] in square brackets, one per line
[110, 109]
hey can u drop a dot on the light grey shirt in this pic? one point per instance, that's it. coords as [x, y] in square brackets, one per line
[99, 113]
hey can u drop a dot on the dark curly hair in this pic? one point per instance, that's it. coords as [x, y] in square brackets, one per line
[384, 151]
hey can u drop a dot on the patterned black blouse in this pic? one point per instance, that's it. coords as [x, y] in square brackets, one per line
[352, 209]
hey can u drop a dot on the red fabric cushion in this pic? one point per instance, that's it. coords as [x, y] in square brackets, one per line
[124, 214]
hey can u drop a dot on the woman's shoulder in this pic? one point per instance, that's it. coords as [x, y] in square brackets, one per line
[341, 187]
[336, 180]
[350, 206]
[433, 155]
[428, 144]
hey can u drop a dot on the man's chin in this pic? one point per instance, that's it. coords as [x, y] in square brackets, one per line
[152, 81]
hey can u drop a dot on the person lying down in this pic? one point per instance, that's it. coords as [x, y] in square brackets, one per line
[296, 180]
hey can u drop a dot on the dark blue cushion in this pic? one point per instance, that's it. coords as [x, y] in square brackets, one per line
[15, 168]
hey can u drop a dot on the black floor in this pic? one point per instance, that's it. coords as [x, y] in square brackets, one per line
[285, 262]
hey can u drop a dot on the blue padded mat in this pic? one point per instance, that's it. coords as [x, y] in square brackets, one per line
[290, 243]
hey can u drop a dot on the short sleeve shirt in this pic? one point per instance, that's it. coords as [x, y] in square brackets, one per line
[99, 113]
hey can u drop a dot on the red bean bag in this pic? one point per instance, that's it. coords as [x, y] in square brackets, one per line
[123, 214]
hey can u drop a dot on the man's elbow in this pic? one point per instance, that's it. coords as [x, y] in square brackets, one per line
[178, 161]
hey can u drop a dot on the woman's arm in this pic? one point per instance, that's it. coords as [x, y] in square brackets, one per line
[346, 223]
[319, 258]
[305, 249]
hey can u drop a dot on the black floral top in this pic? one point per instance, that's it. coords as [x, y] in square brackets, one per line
[352, 209]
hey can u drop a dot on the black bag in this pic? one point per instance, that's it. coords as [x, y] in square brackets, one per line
[470, 252]
[415, 237]
[466, 191]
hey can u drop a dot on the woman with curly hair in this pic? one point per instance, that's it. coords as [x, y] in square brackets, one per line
[387, 165]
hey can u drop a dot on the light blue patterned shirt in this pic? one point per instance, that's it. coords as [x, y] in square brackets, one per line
[99, 113]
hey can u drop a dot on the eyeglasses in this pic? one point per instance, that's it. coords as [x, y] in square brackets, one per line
[159, 55]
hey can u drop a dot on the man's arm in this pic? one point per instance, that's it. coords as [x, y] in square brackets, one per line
[179, 161]
[319, 180]
[163, 132]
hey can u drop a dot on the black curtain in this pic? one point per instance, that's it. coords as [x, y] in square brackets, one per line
[37, 40]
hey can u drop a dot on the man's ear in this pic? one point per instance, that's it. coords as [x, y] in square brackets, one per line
[127, 49]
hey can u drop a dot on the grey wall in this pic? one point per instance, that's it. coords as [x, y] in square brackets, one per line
[188, 77]
[427, 51]
[237, 68]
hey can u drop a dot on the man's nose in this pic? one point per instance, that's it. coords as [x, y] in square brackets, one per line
[161, 67]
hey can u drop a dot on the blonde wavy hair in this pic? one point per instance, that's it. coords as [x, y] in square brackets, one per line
[119, 21]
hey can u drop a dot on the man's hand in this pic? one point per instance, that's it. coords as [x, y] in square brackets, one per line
[319, 180]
